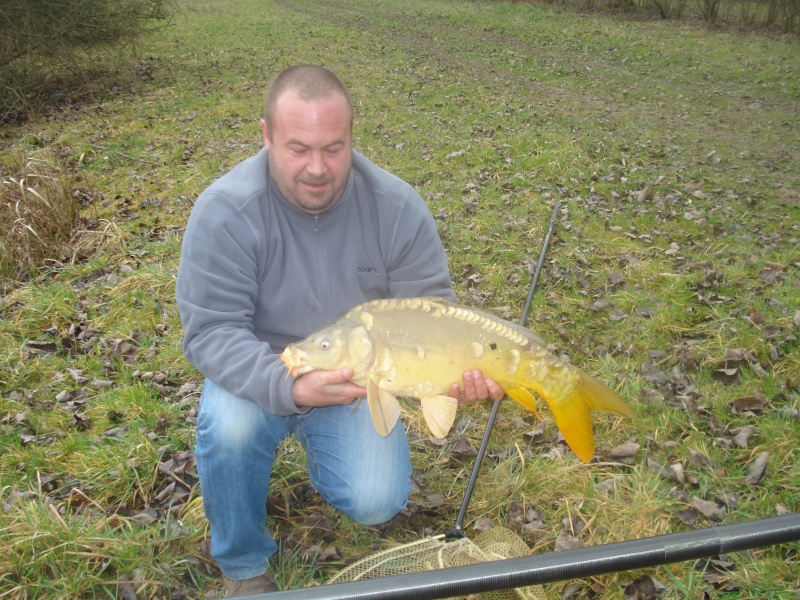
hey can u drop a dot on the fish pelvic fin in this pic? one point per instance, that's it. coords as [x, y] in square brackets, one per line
[525, 398]
[384, 408]
[439, 413]
[572, 413]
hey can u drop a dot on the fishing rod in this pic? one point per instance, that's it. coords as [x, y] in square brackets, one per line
[457, 531]
[554, 566]
[559, 566]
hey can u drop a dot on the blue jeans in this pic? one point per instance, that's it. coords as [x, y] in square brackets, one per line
[357, 471]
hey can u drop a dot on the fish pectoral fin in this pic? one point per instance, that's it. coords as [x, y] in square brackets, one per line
[439, 413]
[525, 398]
[383, 407]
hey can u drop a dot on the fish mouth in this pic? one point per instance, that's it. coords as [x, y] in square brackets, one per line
[294, 361]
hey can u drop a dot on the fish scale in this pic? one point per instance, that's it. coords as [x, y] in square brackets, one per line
[419, 347]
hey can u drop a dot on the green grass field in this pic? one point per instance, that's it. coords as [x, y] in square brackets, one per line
[672, 276]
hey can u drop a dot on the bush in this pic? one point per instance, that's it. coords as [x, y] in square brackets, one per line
[42, 40]
[38, 215]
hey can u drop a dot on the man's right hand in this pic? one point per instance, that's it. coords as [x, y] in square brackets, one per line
[326, 388]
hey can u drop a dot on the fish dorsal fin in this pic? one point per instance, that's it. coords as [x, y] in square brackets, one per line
[383, 407]
[439, 413]
[525, 398]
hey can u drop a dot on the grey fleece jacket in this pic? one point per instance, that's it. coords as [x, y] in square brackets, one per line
[256, 273]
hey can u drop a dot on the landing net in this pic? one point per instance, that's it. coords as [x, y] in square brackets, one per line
[437, 552]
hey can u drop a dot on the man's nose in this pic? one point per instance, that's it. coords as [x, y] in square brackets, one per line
[316, 165]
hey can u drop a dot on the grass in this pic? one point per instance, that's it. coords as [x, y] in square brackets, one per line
[38, 214]
[674, 152]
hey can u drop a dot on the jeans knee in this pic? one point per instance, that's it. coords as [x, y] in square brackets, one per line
[227, 424]
[376, 507]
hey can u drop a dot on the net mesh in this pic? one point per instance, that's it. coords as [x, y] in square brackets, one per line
[438, 552]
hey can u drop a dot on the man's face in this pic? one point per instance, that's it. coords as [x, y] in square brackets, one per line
[310, 150]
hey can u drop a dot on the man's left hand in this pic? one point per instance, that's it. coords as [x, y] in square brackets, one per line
[476, 388]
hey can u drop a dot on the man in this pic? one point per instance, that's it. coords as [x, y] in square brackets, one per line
[286, 242]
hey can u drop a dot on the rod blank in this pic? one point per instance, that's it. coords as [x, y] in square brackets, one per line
[560, 566]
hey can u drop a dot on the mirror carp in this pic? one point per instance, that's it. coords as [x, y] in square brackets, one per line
[418, 347]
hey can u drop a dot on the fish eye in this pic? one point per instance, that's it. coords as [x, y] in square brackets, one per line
[324, 343]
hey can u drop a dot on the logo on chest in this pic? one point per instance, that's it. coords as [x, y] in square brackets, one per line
[366, 270]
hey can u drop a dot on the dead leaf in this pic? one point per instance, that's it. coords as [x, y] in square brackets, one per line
[757, 317]
[624, 453]
[562, 332]
[41, 346]
[644, 195]
[574, 524]
[728, 499]
[146, 517]
[688, 516]
[709, 509]
[519, 423]
[608, 485]
[643, 588]
[125, 591]
[537, 434]
[741, 435]
[566, 541]
[463, 449]
[617, 315]
[457, 153]
[699, 458]
[752, 361]
[515, 517]
[652, 374]
[757, 471]
[769, 276]
[483, 524]
[64, 396]
[616, 280]
[570, 592]
[318, 527]
[660, 469]
[716, 571]
[680, 477]
[748, 403]
[599, 305]
[77, 376]
[727, 376]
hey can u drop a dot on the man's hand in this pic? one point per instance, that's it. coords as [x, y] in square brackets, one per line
[326, 388]
[476, 388]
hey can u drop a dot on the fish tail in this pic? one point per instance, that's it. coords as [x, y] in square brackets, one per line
[575, 424]
[571, 411]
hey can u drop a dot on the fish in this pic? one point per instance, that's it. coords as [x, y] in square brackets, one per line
[418, 347]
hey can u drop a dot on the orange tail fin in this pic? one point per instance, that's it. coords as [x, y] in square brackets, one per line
[572, 413]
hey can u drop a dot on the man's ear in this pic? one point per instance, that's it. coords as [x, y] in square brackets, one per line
[265, 133]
